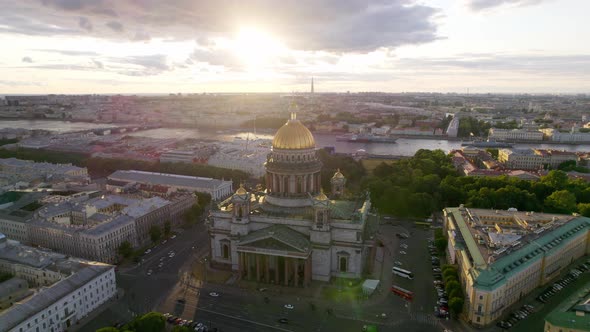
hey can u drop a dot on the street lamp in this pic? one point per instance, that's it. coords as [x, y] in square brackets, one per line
[205, 268]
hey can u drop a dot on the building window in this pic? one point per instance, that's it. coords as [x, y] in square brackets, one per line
[343, 264]
[225, 251]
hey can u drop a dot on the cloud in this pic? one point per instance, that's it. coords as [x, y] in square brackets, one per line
[144, 65]
[27, 59]
[218, 57]
[66, 52]
[20, 83]
[115, 26]
[85, 24]
[332, 25]
[539, 65]
[478, 5]
[141, 36]
[98, 64]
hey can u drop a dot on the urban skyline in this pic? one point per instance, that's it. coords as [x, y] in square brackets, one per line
[474, 46]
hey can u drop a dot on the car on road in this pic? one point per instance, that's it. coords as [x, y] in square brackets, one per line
[161, 264]
[214, 294]
[403, 245]
[171, 255]
[173, 237]
[147, 251]
[164, 242]
[397, 263]
[403, 252]
[149, 272]
[283, 321]
[289, 306]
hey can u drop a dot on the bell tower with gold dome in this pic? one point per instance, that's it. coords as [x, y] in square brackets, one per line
[293, 166]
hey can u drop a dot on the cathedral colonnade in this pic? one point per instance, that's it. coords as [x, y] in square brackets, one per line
[278, 270]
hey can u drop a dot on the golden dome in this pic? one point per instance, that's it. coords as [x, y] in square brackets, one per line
[338, 175]
[293, 135]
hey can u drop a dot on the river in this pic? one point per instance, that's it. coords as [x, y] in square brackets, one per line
[403, 146]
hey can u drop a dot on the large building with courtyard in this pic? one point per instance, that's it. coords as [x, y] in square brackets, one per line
[292, 233]
[503, 255]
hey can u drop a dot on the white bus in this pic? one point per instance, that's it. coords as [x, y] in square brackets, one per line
[402, 273]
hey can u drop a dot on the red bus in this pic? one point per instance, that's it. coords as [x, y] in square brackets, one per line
[406, 294]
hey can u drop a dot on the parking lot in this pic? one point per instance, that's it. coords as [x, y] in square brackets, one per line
[409, 251]
[529, 314]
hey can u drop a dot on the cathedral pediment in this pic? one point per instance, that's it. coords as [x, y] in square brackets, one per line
[276, 237]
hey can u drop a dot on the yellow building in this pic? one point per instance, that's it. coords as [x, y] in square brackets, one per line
[504, 255]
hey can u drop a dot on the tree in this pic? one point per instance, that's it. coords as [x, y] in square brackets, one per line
[150, 322]
[556, 179]
[155, 233]
[584, 209]
[561, 201]
[456, 305]
[203, 199]
[108, 329]
[456, 292]
[449, 272]
[452, 285]
[125, 249]
[440, 244]
[167, 228]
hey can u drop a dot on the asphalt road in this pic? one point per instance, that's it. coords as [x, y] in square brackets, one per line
[242, 310]
[143, 292]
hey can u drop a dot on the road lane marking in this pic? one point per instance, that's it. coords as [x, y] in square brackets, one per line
[243, 319]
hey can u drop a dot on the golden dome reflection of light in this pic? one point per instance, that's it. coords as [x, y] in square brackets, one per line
[293, 135]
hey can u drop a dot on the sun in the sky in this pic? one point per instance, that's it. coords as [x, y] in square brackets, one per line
[256, 47]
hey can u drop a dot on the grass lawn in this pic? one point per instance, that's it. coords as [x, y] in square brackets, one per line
[370, 164]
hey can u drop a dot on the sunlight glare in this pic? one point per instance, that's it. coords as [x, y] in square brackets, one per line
[255, 47]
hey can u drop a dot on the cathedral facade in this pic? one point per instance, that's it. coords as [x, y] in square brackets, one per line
[292, 233]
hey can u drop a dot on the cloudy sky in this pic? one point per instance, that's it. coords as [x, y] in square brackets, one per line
[155, 46]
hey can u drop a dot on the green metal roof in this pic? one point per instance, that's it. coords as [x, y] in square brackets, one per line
[491, 276]
[478, 259]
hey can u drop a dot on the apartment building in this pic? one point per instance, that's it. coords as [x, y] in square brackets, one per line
[515, 135]
[65, 290]
[94, 229]
[167, 184]
[534, 159]
[504, 255]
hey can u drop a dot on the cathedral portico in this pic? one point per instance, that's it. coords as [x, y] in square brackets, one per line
[291, 233]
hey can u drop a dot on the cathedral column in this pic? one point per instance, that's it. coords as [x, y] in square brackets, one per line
[296, 265]
[247, 258]
[266, 269]
[276, 259]
[275, 182]
[307, 272]
[241, 264]
[257, 267]
[304, 183]
[286, 271]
